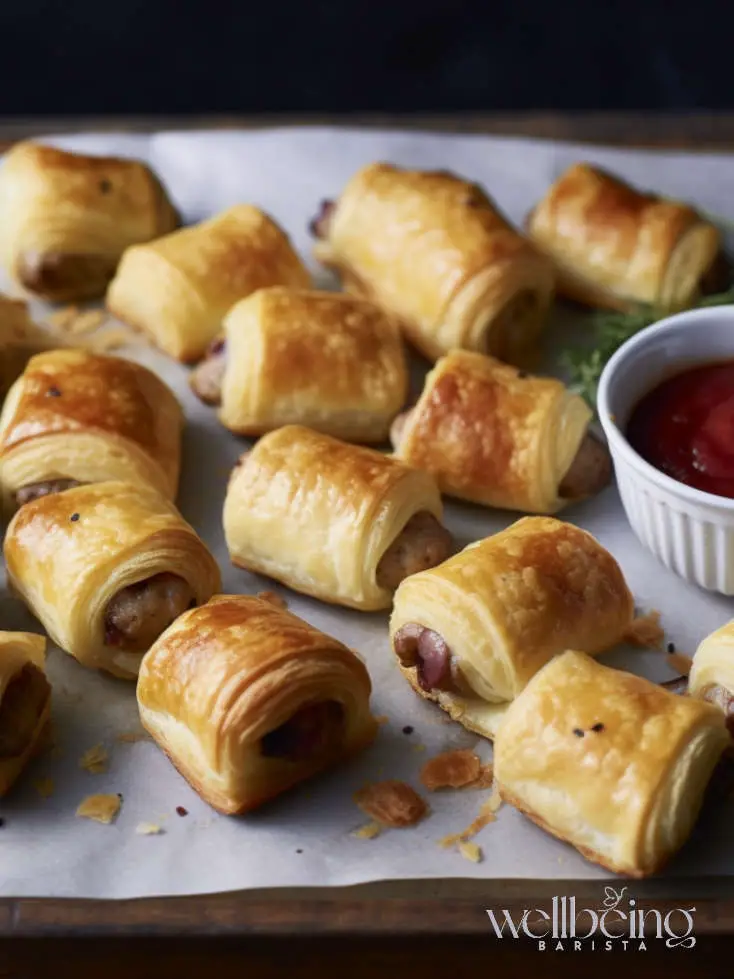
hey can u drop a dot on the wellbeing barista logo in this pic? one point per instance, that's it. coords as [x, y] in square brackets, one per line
[617, 924]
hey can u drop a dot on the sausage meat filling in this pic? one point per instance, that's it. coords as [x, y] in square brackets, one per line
[207, 378]
[416, 645]
[319, 226]
[20, 708]
[138, 614]
[590, 471]
[34, 491]
[724, 699]
[312, 731]
[423, 543]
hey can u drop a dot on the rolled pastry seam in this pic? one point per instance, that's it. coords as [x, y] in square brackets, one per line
[330, 519]
[500, 437]
[178, 289]
[326, 360]
[247, 700]
[25, 702]
[106, 568]
[434, 250]
[86, 418]
[615, 246]
[67, 218]
[712, 674]
[470, 633]
[581, 735]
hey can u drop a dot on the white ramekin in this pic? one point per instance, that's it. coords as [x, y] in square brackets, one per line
[690, 531]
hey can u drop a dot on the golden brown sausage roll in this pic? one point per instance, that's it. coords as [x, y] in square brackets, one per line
[470, 633]
[615, 246]
[177, 289]
[321, 359]
[106, 568]
[20, 338]
[495, 435]
[247, 700]
[434, 249]
[25, 702]
[67, 218]
[77, 417]
[340, 522]
[712, 674]
[608, 761]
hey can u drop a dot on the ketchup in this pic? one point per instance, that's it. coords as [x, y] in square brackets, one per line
[685, 428]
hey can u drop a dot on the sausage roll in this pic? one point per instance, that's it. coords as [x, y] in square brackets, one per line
[106, 568]
[434, 249]
[247, 700]
[470, 633]
[323, 359]
[340, 522]
[67, 218]
[19, 339]
[608, 761]
[77, 417]
[177, 289]
[712, 674]
[615, 246]
[494, 435]
[25, 702]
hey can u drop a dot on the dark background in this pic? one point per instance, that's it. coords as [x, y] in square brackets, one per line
[224, 56]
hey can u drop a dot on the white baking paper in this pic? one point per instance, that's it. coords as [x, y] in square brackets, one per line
[304, 837]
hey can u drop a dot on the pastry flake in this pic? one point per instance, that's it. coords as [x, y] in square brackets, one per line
[94, 760]
[391, 803]
[25, 703]
[101, 808]
[451, 770]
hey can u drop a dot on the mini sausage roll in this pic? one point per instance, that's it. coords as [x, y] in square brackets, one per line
[471, 633]
[67, 218]
[25, 702]
[20, 338]
[322, 359]
[608, 761]
[494, 435]
[77, 417]
[106, 568]
[247, 700]
[435, 250]
[615, 246]
[712, 674]
[177, 289]
[340, 522]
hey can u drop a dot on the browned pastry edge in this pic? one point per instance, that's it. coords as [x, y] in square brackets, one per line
[453, 710]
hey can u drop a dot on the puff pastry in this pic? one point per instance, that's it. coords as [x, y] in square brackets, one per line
[20, 338]
[434, 249]
[340, 522]
[247, 700]
[25, 702]
[177, 289]
[712, 674]
[326, 360]
[608, 761]
[106, 568]
[495, 435]
[471, 633]
[615, 246]
[67, 218]
[77, 417]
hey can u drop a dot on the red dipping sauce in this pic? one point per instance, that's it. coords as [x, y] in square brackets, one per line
[685, 428]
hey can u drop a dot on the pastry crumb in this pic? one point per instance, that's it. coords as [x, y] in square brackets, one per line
[485, 778]
[646, 631]
[114, 339]
[130, 737]
[87, 321]
[94, 760]
[391, 803]
[100, 808]
[451, 770]
[367, 832]
[45, 787]
[273, 597]
[680, 663]
[487, 815]
[149, 829]
[418, 748]
[62, 318]
[471, 851]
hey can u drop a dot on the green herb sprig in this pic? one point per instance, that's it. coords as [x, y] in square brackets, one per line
[610, 330]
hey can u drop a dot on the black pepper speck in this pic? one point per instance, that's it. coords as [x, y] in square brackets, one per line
[74, 517]
[105, 186]
[671, 647]
[598, 727]
[299, 851]
[407, 729]
[578, 732]
[53, 392]
[182, 811]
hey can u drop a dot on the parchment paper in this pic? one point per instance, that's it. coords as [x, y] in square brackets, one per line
[304, 837]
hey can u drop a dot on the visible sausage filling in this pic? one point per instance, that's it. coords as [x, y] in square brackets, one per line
[206, 379]
[56, 273]
[724, 699]
[319, 226]
[138, 614]
[679, 685]
[590, 471]
[423, 543]
[34, 491]
[718, 277]
[22, 705]
[312, 731]
[436, 667]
